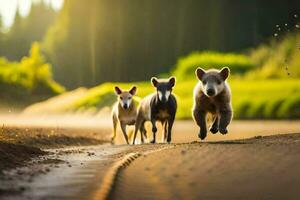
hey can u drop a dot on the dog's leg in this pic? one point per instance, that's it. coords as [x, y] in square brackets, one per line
[200, 118]
[154, 130]
[143, 131]
[142, 137]
[170, 126]
[215, 126]
[115, 123]
[123, 127]
[165, 128]
[225, 118]
[138, 124]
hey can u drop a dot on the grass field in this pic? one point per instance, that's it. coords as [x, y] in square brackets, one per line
[252, 99]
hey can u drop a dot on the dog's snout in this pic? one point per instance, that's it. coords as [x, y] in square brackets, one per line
[125, 106]
[210, 92]
[163, 99]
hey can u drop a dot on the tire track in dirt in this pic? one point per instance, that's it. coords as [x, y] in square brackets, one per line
[112, 175]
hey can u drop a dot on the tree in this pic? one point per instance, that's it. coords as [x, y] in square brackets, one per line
[131, 40]
[26, 30]
[1, 35]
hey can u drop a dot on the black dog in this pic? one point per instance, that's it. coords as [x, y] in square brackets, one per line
[159, 106]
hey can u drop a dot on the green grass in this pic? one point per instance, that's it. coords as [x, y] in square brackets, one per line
[278, 59]
[252, 99]
[265, 98]
[185, 66]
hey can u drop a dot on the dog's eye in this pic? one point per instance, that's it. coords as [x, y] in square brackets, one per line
[129, 98]
[204, 82]
[218, 82]
[121, 98]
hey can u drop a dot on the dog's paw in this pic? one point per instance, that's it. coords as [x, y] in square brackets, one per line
[213, 130]
[223, 131]
[152, 141]
[202, 135]
[112, 140]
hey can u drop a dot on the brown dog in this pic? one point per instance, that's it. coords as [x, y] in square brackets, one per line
[124, 111]
[212, 95]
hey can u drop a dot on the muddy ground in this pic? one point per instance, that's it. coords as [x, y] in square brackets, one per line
[20, 144]
[51, 162]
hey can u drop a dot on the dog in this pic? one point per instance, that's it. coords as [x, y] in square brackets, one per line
[159, 106]
[124, 111]
[212, 95]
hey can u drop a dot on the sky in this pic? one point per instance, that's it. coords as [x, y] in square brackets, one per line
[8, 8]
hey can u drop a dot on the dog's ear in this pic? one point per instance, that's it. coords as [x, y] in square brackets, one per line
[172, 81]
[225, 71]
[133, 90]
[154, 81]
[118, 91]
[200, 73]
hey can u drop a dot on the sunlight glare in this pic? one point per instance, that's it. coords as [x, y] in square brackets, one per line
[8, 8]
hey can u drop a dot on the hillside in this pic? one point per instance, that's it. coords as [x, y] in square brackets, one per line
[252, 99]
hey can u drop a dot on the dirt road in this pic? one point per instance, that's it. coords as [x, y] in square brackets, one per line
[219, 168]
[186, 131]
[264, 168]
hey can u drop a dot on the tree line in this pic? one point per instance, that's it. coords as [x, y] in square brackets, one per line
[17, 40]
[132, 40]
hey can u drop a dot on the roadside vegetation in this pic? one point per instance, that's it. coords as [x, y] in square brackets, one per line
[265, 83]
[252, 99]
[278, 60]
[185, 66]
[28, 80]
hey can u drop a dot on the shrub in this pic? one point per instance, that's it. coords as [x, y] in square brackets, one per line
[32, 75]
[271, 108]
[186, 66]
[240, 110]
[290, 108]
[255, 110]
[273, 59]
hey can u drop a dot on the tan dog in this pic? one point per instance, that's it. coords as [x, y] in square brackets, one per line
[124, 111]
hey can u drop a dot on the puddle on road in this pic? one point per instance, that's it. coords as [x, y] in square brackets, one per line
[80, 172]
